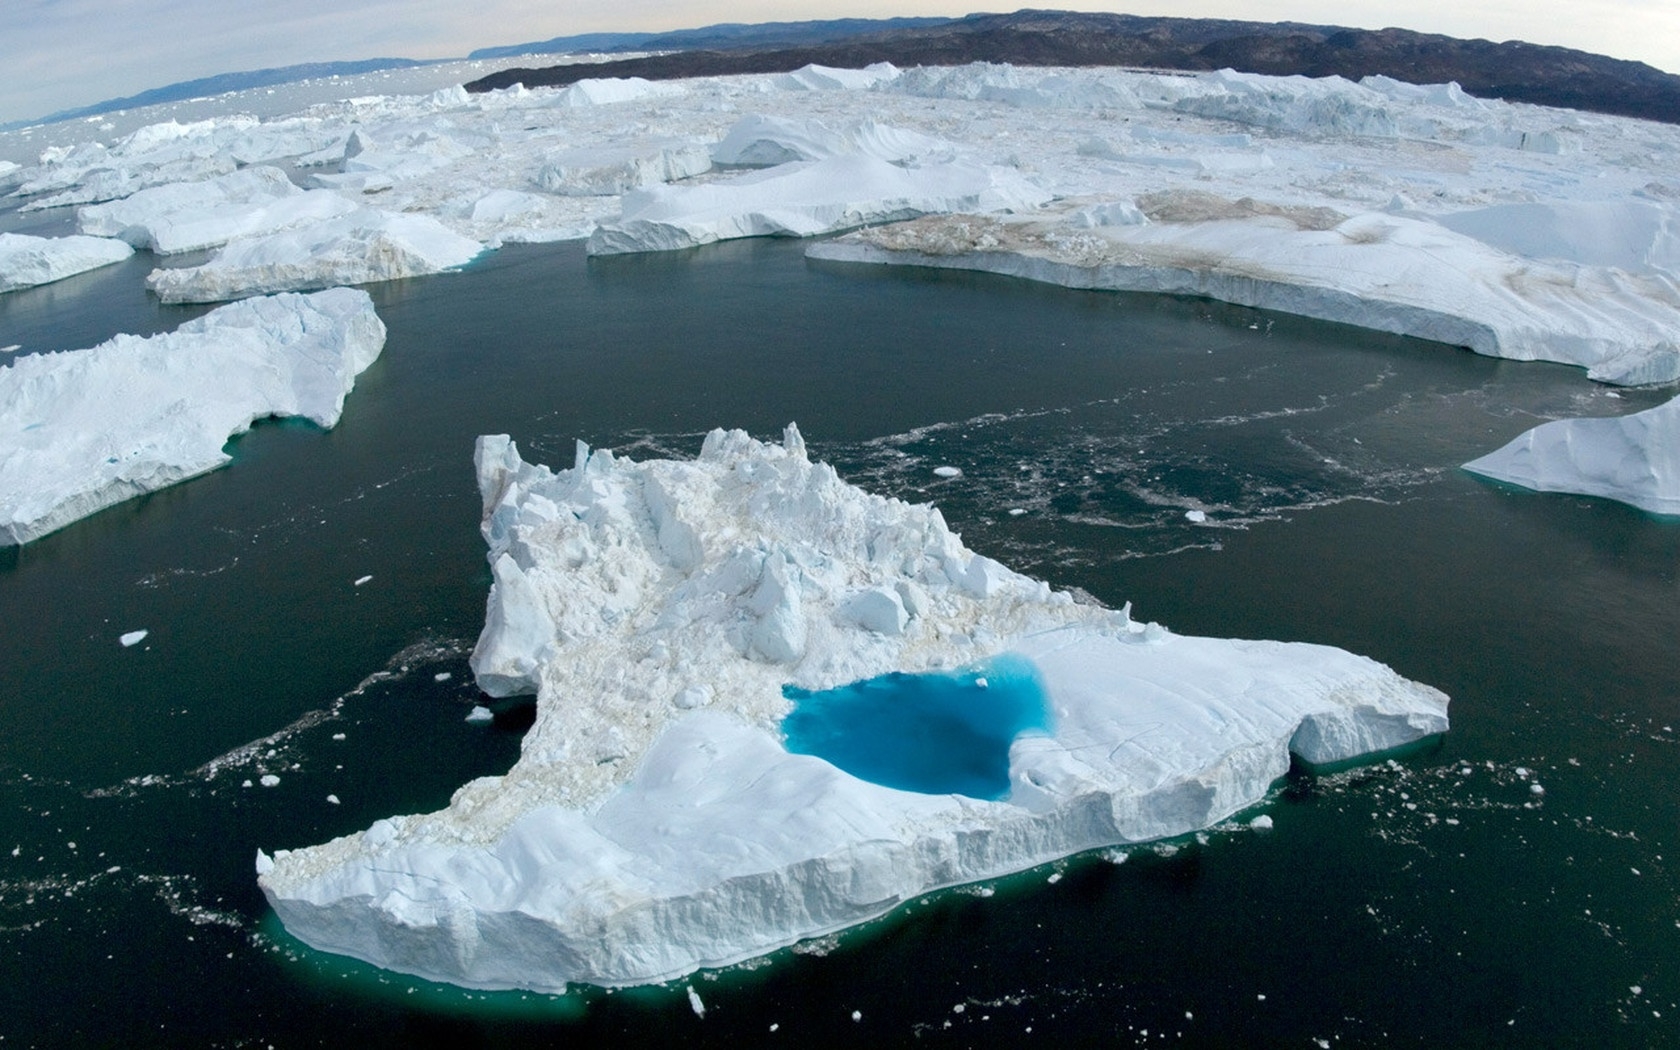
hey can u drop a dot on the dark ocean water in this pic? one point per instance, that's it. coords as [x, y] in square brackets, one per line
[1437, 899]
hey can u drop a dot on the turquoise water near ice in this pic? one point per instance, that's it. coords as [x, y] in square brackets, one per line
[1434, 901]
[937, 732]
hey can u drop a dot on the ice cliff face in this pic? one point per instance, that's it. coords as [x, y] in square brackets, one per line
[1634, 458]
[27, 261]
[83, 429]
[655, 823]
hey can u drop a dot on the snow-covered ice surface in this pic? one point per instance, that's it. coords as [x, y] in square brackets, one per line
[1518, 231]
[1633, 458]
[83, 429]
[27, 261]
[655, 823]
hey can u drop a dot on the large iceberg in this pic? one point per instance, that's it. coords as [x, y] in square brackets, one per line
[27, 261]
[361, 246]
[1633, 458]
[656, 822]
[83, 429]
[189, 216]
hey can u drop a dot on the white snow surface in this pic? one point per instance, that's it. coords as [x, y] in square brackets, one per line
[363, 245]
[654, 822]
[27, 261]
[83, 429]
[1633, 458]
[1517, 230]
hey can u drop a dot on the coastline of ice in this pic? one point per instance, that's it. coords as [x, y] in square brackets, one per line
[1634, 459]
[654, 823]
[81, 430]
[26, 261]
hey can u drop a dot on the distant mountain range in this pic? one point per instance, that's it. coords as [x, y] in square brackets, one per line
[1515, 71]
[1518, 72]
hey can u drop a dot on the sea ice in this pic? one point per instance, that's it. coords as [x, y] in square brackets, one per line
[1634, 458]
[758, 140]
[83, 429]
[132, 638]
[656, 823]
[611, 170]
[27, 261]
[804, 199]
[189, 216]
[360, 246]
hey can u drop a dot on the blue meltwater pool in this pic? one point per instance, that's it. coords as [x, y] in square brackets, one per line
[941, 732]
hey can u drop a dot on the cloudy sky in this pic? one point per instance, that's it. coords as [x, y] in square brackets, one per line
[56, 54]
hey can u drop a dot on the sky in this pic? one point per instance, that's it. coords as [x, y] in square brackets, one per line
[60, 54]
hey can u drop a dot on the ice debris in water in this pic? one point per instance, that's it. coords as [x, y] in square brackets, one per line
[133, 638]
[658, 610]
[480, 714]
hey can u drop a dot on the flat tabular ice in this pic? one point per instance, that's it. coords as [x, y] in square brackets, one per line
[655, 823]
[1634, 458]
[189, 216]
[83, 429]
[28, 261]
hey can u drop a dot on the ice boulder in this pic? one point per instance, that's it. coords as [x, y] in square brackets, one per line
[604, 91]
[607, 170]
[827, 78]
[758, 140]
[1634, 458]
[361, 246]
[808, 198]
[83, 429]
[668, 811]
[27, 261]
[189, 216]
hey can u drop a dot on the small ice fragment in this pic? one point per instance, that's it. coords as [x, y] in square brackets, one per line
[1536, 789]
[480, 713]
[774, 1027]
[1635, 989]
[857, 1015]
[694, 1002]
[1261, 823]
[948, 472]
[442, 676]
[1054, 878]
[1261, 997]
[338, 736]
[133, 638]
[14, 348]
[72, 845]
[245, 784]
[1197, 516]
[333, 799]
[265, 863]
[959, 1008]
[1016, 512]
[269, 780]
[361, 580]
[981, 683]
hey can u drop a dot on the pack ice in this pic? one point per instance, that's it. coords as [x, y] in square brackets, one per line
[656, 822]
[83, 429]
[27, 261]
[1633, 458]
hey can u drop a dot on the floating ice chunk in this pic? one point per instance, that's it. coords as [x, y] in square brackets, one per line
[618, 168]
[133, 638]
[758, 140]
[694, 1002]
[602, 91]
[1197, 516]
[1634, 459]
[83, 429]
[826, 78]
[358, 581]
[806, 199]
[358, 247]
[480, 714]
[333, 799]
[948, 472]
[1263, 822]
[269, 780]
[27, 261]
[189, 216]
[633, 832]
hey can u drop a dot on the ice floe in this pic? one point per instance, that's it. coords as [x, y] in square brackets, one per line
[83, 429]
[27, 261]
[189, 216]
[656, 823]
[1633, 458]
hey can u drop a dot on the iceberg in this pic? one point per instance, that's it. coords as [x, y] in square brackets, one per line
[758, 140]
[189, 216]
[803, 199]
[27, 261]
[1633, 458]
[611, 170]
[1377, 270]
[657, 822]
[83, 429]
[355, 248]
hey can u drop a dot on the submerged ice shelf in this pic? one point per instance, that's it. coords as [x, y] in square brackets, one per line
[83, 429]
[656, 822]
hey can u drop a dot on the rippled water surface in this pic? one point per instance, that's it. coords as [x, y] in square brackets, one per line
[1513, 883]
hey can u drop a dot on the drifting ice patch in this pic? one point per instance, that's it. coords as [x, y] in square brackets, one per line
[655, 823]
[83, 429]
[27, 261]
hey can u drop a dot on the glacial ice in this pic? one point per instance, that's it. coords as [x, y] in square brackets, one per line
[363, 245]
[27, 261]
[189, 216]
[655, 823]
[1633, 458]
[83, 429]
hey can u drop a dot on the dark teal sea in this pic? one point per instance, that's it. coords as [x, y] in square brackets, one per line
[1515, 883]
